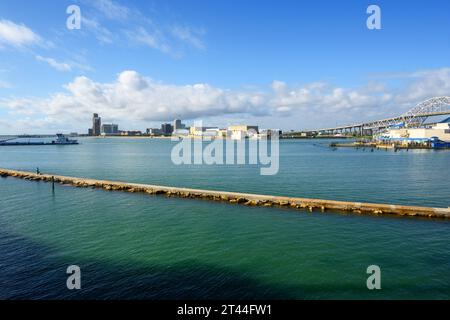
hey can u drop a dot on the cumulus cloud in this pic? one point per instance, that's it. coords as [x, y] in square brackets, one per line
[322, 96]
[134, 98]
[17, 35]
[426, 84]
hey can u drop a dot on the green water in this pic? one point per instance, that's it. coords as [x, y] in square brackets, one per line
[141, 246]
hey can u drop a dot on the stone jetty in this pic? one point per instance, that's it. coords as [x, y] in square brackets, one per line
[248, 199]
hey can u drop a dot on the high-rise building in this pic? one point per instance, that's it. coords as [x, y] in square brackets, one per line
[178, 125]
[96, 125]
[166, 128]
[110, 129]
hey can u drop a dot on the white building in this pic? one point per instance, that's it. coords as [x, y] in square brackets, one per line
[180, 132]
[203, 131]
[242, 131]
[440, 130]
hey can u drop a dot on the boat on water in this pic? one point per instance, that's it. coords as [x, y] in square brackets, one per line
[60, 140]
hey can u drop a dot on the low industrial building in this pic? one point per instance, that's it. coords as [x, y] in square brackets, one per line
[440, 131]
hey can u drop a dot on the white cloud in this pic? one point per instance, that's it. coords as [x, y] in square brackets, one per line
[20, 106]
[427, 84]
[135, 99]
[63, 66]
[60, 66]
[189, 35]
[4, 85]
[153, 40]
[17, 35]
[139, 28]
[102, 34]
[319, 96]
[112, 9]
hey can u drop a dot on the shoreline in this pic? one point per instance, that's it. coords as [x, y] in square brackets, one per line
[378, 146]
[248, 199]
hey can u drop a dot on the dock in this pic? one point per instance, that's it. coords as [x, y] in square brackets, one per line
[441, 145]
[237, 198]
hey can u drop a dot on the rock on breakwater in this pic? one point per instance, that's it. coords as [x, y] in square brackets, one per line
[310, 205]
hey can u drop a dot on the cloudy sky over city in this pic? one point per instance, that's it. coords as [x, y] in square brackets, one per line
[277, 64]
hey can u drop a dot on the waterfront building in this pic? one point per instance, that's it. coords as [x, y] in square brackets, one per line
[267, 133]
[177, 124]
[203, 131]
[166, 128]
[305, 134]
[211, 132]
[90, 132]
[131, 133]
[180, 132]
[238, 132]
[110, 129]
[440, 131]
[222, 133]
[153, 131]
[96, 125]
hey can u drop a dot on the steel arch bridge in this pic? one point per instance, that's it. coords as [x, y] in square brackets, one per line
[415, 117]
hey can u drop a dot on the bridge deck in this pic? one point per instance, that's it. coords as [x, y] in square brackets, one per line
[376, 124]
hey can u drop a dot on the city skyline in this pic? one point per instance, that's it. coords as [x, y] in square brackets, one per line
[180, 62]
[176, 127]
[230, 158]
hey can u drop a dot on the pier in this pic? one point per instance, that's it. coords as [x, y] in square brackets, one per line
[311, 205]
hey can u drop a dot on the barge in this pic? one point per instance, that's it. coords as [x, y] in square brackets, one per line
[60, 140]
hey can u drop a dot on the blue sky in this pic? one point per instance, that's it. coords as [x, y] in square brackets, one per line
[284, 64]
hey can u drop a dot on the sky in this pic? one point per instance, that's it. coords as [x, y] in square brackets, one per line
[281, 64]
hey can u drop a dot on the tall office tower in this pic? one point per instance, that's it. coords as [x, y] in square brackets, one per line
[96, 125]
[166, 128]
[177, 124]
